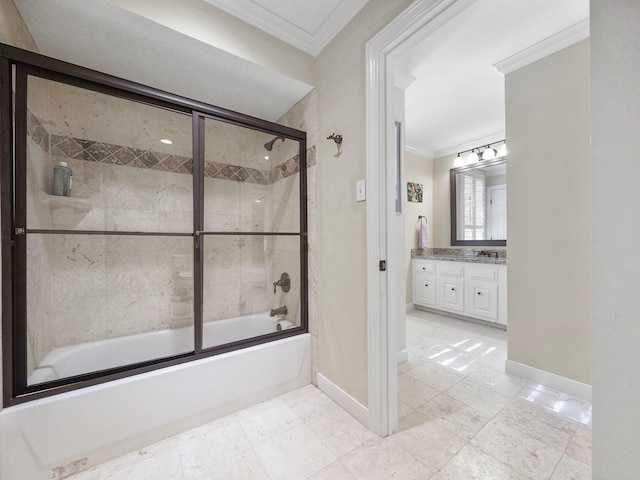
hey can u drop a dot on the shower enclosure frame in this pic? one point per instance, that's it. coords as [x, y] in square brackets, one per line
[15, 65]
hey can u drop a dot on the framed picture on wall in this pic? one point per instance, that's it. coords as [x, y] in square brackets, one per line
[414, 192]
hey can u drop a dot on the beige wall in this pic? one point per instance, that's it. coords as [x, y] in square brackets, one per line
[417, 169]
[615, 196]
[441, 202]
[13, 31]
[549, 218]
[340, 81]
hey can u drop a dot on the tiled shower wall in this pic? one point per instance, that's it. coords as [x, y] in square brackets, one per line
[302, 116]
[98, 287]
[39, 270]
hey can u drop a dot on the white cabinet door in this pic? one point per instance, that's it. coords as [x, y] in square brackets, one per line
[482, 299]
[450, 293]
[424, 290]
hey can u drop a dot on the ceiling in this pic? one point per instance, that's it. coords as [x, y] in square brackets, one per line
[456, 99]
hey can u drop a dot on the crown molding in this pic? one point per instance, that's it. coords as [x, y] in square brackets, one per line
[544, 48]
[419, 151]
[282, 29]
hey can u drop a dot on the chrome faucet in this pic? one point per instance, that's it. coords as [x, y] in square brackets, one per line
[278, 311]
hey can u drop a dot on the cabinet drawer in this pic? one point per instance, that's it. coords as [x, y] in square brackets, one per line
[483, 273]
[424, 266]
[453, 270]
[424, 290]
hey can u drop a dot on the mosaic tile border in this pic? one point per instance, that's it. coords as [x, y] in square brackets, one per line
[92, 151]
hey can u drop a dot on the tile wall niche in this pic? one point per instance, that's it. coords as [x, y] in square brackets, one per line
[92, 287]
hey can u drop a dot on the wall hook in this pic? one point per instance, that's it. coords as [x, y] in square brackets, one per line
[335, 138]
[338, 140]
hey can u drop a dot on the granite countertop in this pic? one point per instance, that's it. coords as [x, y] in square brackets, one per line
[460, 255]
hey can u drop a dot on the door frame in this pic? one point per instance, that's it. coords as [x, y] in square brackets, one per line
[414, 24]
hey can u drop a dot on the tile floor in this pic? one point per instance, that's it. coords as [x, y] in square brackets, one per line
[461, 418]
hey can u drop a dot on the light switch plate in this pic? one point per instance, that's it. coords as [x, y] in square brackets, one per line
[360, 191]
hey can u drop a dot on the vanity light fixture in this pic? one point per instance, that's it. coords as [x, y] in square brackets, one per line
[166, 141]
[481, 153]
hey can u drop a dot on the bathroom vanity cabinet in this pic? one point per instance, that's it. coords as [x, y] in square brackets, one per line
[472, 289]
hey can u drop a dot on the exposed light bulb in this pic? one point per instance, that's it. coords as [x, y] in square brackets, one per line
[458, 162]
[503, 150]
[489, 153]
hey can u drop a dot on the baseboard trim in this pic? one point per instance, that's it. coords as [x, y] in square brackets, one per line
[403, 356]
[346, 401]
[548, 379]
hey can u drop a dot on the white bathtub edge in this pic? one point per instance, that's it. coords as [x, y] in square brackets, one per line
[352, 406]
[109, 420]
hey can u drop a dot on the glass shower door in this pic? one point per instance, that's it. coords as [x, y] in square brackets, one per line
[252, 233]
[108, 273]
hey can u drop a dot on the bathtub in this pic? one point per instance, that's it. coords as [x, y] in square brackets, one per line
[98, 423]
[88, 357]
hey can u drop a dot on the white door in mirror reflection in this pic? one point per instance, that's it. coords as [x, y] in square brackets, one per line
[497, 212]
[471, 204]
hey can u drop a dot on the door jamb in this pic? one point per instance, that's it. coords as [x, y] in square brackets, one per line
[418, 21]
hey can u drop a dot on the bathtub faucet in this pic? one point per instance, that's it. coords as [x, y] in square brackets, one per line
[278, 311]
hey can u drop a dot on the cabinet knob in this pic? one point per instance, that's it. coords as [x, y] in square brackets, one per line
[453, 289]
[426, 284]
[479, 293]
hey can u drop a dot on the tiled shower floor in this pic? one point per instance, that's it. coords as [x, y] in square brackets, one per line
[460, 419]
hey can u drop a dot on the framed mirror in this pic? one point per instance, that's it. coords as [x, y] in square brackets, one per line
[479, 204]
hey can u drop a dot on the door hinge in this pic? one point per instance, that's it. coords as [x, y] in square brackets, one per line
[19, 231]
[382, 265]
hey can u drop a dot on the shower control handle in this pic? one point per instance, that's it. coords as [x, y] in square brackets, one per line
[284, 283]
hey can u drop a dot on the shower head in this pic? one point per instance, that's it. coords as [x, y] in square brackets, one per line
[269, 145]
